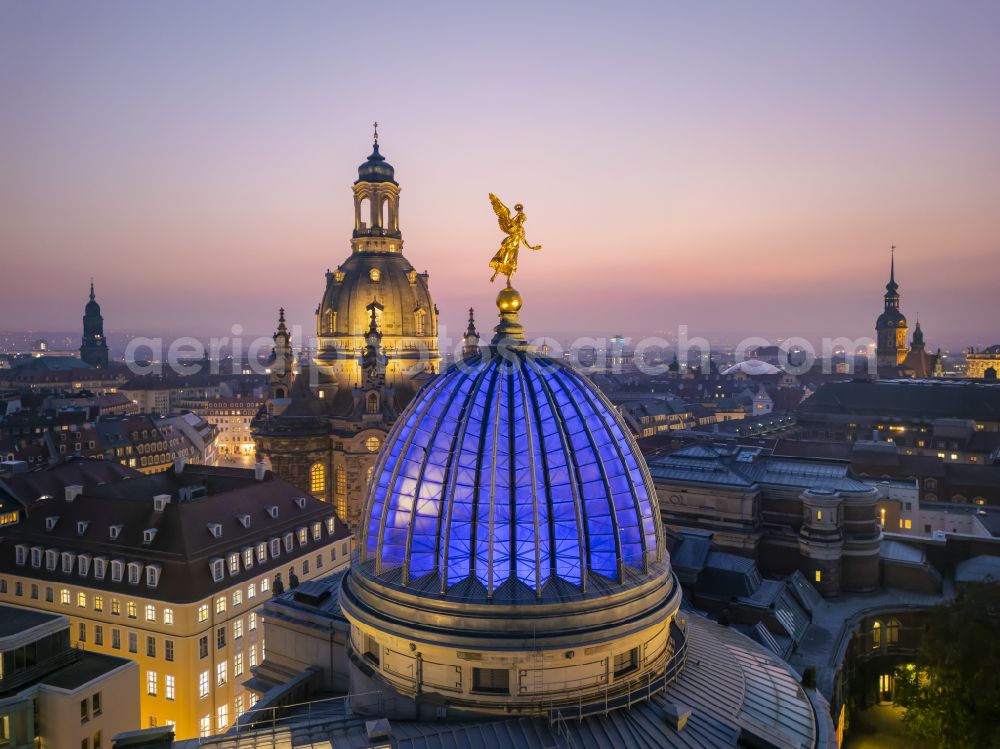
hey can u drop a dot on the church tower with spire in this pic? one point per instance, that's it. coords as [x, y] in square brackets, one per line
[890, 327]
[376, 268]
[94, 346]
[281, 363]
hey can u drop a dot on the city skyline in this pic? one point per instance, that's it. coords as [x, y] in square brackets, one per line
[682, 164]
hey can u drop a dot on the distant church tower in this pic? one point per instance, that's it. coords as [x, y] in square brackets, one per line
[94, 347]
[890, 328]
[281, 361]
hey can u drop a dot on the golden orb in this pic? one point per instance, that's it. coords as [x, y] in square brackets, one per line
[509, 299]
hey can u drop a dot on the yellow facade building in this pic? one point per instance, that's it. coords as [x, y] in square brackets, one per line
[170, 570]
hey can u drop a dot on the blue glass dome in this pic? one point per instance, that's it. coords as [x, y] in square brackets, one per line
[511, 472]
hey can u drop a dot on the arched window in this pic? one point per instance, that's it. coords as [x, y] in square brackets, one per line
[340, 487]
[317, 478]
[368, 476]
[892, 631]
[329, 321]
[876, 635]
[420, 317]
[363, 215]
[279, 392]
[385, 214]
[372, 405]
[930, 483]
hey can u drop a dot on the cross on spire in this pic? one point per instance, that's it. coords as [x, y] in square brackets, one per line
[375, 125]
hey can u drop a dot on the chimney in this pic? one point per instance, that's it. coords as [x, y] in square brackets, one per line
[259, 469]
[179, 464]
[73, 491]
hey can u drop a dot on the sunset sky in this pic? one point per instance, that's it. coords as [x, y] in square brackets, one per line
[736, 167]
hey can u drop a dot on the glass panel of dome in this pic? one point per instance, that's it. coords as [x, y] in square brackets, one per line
[533, 481]
[501, 483]
[598, 519]
[566, 546]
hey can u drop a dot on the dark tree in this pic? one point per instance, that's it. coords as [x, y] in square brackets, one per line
[952, 694]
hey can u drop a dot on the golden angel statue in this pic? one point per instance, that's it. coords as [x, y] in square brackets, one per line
[505, 261]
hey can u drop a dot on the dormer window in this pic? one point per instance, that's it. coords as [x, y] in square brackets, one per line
[148, 535]
[36, 556]
[83, 564]
[100, 567]
[21, 555]
[275, 544]
[233, 562]
[244, 519]
[272, 510]
[114, 531]
[215, 529]
[331, 525]
[160, 502]
[303, 534]
[50, 522]
[68, 561]
[289, 542]
[152, 575]
[81, 527]
[247, 557]
[51, 559]
[300, 502]
[218, 569]
[134, 572]
[317, 530]
[117, 570]
[262, 552]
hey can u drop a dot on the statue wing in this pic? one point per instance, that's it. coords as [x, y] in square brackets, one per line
[503, 214]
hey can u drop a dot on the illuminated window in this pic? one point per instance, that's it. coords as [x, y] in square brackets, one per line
[819, 576]
[168, 616]
[317, 478]
[221, 717]
[203, 684]
[131, 609]
[64, 597]
[81, 600]
[369, 474]
[203, 613]
[169, 687]
[372, 403]
[151, 683]
[220, 605]
[205, 726]
[372, 444]
[341, 494]
[420, 317]
[150, 613]
[892, 631]
[374, 275]
[876, 635]
[819, 514]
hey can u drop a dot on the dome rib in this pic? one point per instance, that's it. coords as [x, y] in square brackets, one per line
[445, 524]
[580, 539]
